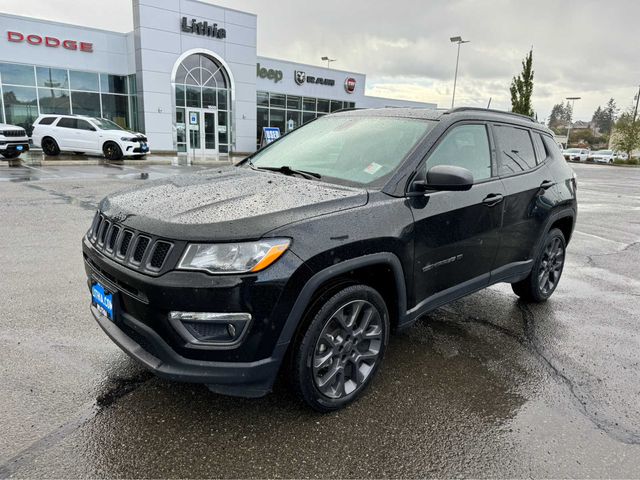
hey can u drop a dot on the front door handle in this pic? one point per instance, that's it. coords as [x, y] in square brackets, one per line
[547, 184]
[492, 199]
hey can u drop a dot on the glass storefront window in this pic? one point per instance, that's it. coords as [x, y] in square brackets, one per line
[54, 101]
[323, 105]
[193, 97]
[17, 74]
[223, 122]
[180, 95]
[222, 99]
[52, 77]
[20, 106]
[116, 108]
[336, 105]
[113, 83]
[209, 97]
[308, 116]
[262, 121]
[85, 103]
[295, 117]
[309, 104]
[84, 81]
[277, 119]
[277, 100]
[181, 130]
[263, 98]
[294, 102]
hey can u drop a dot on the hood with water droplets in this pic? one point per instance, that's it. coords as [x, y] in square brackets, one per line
[232, 203]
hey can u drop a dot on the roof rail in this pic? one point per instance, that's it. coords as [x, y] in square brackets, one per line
[479, 109]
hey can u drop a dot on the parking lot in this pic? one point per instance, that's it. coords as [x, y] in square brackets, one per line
[487, 386]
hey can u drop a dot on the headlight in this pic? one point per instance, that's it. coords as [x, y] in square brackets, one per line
[233, 257]
[128, 139]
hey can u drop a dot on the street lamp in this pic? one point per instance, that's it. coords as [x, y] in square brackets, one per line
[328, 60]
[572, 100]
[459, 41]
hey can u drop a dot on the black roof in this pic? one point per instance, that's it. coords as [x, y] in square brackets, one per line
[455, 114]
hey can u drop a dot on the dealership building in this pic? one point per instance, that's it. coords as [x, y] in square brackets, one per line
[188, 76]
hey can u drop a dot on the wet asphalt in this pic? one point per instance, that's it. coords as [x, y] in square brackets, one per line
[485, 387]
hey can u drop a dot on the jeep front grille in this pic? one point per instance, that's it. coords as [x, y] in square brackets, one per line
[14, 133]
[136, 250]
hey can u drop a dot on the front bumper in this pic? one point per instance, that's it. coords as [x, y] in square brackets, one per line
[135, 148]
[13, 146]
[246, 379]
[141, 325]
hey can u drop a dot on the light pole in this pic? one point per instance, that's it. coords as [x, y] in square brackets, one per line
[328, 60]
[572, 100]
[459, 41]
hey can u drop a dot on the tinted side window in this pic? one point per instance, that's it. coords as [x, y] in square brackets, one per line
[465, 146]
[541, 151]
[516, 149]
[46, 121]
[552, 148]
[84, 125]
[67, 122]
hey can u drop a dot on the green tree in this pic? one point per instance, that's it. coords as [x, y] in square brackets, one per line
[522, 88]
[560, 117]
[626, 136]
[604, 118]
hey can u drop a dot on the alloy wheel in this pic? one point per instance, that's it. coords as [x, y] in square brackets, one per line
[551, 266]
[348, 349]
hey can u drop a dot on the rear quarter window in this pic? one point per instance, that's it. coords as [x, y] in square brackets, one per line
[516, 149]
[46, 120]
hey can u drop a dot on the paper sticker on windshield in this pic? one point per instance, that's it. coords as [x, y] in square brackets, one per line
[372, 168]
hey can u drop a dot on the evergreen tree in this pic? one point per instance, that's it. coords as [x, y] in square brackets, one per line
[522, 88]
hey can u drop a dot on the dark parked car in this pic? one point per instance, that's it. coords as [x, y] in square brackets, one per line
[303, 258]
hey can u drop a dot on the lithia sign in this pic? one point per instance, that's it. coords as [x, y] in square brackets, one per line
[202, 28]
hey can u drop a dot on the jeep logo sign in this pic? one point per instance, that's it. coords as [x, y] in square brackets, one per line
[269, 73]
[350, 85]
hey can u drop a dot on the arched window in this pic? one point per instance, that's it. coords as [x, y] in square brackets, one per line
[202, 71]
[202, 82]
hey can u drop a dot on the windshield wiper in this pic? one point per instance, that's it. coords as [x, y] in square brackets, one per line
[290, 171]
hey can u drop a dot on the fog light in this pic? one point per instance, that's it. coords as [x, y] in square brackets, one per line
[210, 328]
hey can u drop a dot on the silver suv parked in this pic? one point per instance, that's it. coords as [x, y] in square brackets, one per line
[13, 141]
[91, 135]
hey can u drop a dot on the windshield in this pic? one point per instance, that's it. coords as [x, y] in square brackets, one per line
[572, 150]
[104, 124]
[354, 149]
[605, 152]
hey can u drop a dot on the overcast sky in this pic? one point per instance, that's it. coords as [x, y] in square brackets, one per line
[584, 48]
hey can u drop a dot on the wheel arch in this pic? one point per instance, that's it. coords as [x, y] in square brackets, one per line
[347, 272]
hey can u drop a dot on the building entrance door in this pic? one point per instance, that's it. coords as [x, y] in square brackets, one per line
[203, 131]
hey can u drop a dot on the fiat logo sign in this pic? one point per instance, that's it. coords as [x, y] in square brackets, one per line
[350, 85]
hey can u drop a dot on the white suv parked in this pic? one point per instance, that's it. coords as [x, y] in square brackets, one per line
[80, 134]
[13, 141]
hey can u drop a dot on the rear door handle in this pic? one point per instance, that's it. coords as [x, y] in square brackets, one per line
[547, 184]
[492, 199]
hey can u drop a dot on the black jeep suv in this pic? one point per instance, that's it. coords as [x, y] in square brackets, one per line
[309, 252]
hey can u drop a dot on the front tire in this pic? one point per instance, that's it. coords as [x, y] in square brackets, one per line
[546, 271]
[342, 348]
[50, 147]
[112, 151]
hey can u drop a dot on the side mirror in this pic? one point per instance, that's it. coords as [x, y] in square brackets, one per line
[449, 177]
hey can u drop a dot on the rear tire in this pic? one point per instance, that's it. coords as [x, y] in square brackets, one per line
[50, 147]
[546, 271]
[10, 155]
[112, 151]
[338, 355]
